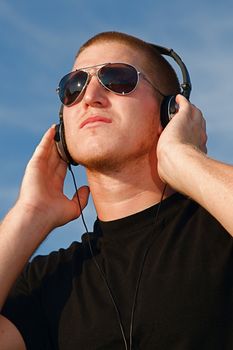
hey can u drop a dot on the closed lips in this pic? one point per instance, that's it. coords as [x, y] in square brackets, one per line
[94, 120]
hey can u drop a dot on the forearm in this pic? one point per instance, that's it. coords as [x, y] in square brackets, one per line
[207, 181]
[21, 232]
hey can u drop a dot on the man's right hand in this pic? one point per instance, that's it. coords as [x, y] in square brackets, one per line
[41, 192]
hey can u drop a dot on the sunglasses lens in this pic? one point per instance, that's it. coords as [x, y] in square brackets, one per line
[118, 77]
[71, 85]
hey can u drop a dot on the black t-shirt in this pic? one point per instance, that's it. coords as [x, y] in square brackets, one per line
[185, 297]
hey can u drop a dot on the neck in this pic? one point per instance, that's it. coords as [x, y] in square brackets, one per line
[131, 190]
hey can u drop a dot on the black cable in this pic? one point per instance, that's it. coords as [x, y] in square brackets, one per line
[110, 293]
[141, 271]
[76, 189]
[96, 263]
[103, 275]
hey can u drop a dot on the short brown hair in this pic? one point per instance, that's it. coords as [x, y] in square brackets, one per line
[157, 67]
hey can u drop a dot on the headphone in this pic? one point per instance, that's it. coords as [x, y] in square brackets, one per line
[168, 106]
[167, 110]
[61, 141]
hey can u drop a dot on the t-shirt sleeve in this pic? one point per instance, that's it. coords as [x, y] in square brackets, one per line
[23, 308]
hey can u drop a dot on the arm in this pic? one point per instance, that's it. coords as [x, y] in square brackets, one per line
[10, 338]
[40, 208]
[184, 165]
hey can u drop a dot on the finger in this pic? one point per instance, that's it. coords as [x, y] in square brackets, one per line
[203, 123]
[46, 152]
[45, 146]
[58, 178]
[182, 101]
[204, 149]
[185, 107]
[75, 206]
[81, 197]
[55, 161]
[204, 141]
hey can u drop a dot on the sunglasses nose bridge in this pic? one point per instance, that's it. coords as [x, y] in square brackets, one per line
[93, 72]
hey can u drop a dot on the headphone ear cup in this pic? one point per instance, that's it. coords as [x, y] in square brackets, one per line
[168, 109]
[61, 144]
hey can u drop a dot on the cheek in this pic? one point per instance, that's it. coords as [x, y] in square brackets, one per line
[143, 118]
[71, 134]
[71, 121]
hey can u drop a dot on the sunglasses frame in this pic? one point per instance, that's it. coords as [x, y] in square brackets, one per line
[97, 68]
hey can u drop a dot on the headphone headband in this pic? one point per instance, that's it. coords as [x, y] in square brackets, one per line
[186, 83]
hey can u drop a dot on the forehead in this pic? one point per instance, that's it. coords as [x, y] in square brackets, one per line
[105, 52]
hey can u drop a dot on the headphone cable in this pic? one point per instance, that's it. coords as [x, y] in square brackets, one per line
[103, 274]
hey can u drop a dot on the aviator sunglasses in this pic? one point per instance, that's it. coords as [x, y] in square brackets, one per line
[119, 78]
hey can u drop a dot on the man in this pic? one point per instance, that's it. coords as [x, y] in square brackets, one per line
[151, 276]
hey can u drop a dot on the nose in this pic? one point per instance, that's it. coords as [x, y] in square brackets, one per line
[95, 94]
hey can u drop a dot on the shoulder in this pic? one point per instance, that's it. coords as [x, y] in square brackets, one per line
[184, 214]
[43, 269]
[43, 263]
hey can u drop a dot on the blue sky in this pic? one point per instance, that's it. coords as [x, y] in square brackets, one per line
[38, 42]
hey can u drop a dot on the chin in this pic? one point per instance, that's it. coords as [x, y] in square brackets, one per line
[112, 160]
[102, 165]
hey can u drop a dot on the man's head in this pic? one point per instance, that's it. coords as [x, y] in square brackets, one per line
[156, 67]
[108, 131]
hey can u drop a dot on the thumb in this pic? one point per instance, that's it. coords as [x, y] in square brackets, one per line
[81, 197]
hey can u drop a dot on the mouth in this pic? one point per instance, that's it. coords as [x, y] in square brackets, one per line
[95, 120]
